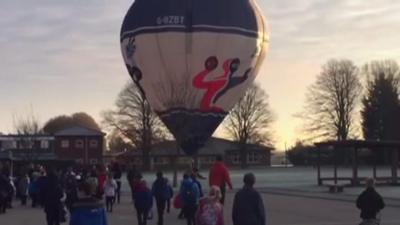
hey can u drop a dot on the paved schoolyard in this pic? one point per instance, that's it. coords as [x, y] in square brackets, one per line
[281, 210]
[291, 197]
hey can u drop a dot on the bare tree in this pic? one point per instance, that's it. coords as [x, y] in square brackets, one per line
[249, 121]
[27, 128]
[134, 119]
[331, 101]
[117, 143]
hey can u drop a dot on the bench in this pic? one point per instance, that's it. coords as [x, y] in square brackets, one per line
[335, 188]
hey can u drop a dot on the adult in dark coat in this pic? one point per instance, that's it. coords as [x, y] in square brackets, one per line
[71, 189]
[248, 206]
[52, 200]
[6, 190]
[131, 175]
[42, 183]
[370, 202]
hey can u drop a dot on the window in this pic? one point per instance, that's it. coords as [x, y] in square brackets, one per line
[137, 161]
[93, 144]
[79, 143]
[207, 160]
[25, 144]
[252, 157]
[9, 144]
[44, 144]
[93, 161]
[184, 160]
[160, 160]
[236, 158]
[65, 144]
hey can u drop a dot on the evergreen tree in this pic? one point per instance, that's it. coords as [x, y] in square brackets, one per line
[381, 104]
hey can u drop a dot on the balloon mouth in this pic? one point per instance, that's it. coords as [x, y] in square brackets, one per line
[191, 128]
[192, 145]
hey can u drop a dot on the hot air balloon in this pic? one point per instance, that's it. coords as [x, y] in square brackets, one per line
[193, 60]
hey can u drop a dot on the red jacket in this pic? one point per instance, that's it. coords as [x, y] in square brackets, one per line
[219, 175]
[101, 179]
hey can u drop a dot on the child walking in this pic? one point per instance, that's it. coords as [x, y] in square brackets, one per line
[110, 188]
[210, 210]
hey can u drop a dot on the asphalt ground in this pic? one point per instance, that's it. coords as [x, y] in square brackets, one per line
[280, 209]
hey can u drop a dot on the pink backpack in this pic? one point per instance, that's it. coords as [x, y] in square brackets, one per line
[209, 213]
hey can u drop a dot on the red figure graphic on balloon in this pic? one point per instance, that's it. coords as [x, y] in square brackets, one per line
[217, 87]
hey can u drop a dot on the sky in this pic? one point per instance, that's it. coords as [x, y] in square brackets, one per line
[61, 57]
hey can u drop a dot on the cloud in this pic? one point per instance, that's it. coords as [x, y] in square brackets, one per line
[320, 29]
[64, 55]
[69, 38]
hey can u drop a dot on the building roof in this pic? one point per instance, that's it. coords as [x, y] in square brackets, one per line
[79, 131]
[215, 146]
[9, 155]
[359, 144]
[13, 137]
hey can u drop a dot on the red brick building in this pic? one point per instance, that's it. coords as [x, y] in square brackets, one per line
[80, 144]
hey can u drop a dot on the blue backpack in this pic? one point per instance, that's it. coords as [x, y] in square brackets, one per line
[190, 193]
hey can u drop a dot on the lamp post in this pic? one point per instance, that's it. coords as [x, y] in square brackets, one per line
[286, 156]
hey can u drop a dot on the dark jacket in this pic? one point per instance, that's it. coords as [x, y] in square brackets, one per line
[370, 203]
[23, 186]
[130, 176]
[248, 208]
[162, 190]
[53, 194]
[117, 173]
[6, 188]
[42, 183]
[143, 197]
[88, 211]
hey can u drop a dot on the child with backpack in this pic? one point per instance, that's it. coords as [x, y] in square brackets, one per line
[143, 200]
[210, 210]
[190, 195]
[110, 189]
[88, 209]
[34, 189]
[162, 193]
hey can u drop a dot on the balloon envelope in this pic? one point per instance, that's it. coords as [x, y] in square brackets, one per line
[193, 60]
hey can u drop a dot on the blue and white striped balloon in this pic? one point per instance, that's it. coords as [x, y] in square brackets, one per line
[193, 60]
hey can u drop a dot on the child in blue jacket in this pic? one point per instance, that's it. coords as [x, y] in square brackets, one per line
[190, 195]
[87, 210]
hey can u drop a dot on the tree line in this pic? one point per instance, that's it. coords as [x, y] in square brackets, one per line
[344, 102]
[347, 102]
